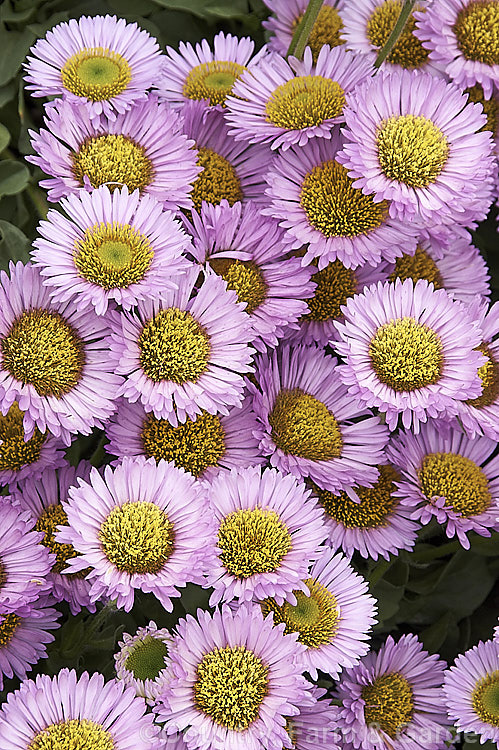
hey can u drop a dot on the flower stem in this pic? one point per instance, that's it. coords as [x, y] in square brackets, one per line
[426, 555]
[302, 32]
[396, 32]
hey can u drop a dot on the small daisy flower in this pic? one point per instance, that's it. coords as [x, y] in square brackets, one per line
[228, 170]
[54, 359]
[451, 477]
[327, 28]
[202, 73]
[471, 691]
[267, 534]
[42, 499]
[461, 36]
[236, 681]
[287, 103]
[393, 699]
[103, 61]
[333, 616]
[65, 710]
[24, 635]
[78, 152]
[414, 140]
[409, 351]
[370, 520]
[314, 728]
[142, 659]
[309, 426]
[203, 445]
[141, 526]
[317, 204]
[246, 250]
[24, 562]
[111, 246]
[184, 353]
[20, 457]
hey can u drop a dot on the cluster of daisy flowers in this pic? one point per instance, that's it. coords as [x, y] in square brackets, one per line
[259, 282]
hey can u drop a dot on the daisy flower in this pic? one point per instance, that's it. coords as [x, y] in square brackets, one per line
[54, 359]
[451, 477]
[141, 526]
[103, 61]
[317, 204]
[20, 457]
[393, 699]
[24, 635]
[228, 170]
[267, 534]
[42, 498]
[309, 425]
[471, 688]
[142, 660]
[287, 103]
[236, 679]
[409, 351]
[333, 616]
[203, 445]
[110, 246]
[202, 73]
[65, 710]
[142, 148]
[24, 562]
[414, 140]
[184, 353]
[246, 250]
[327, 28]
[462, 38]
[370, 520]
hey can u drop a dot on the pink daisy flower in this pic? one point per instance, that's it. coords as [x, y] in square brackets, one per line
[142, 660]
[327, 29]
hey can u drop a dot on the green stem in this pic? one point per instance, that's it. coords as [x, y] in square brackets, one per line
[426, 555]
[100, 618]
[396, 32]
[302, 32]
[99, 453]
[378, 572]
[39, 200]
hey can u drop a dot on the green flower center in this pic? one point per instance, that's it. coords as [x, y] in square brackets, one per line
[217, 181]
[305, 101]
[147, 658]
[112, 160]
[14, 451]
[245, 278]
[212, 80]
[408, 52]
[231, 684]
[389, 703]
[326, 30]
[417, 266]
[406, 355]
[485, 698]
[73, 734]
[8, 627]
[335, 284]
[458, 479]
[477, 31]
[96, 73]
[489, 375]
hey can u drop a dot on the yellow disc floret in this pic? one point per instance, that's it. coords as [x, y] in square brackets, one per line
[334, 285]
[245, 278]
[326, 30]
[485, 698]
[96, 74]
[112, 160]
[458, 479]
[389, 703]
[490, 107]
[477, 31]
[408, 51]
[73, 734]
[15, 452]
[8, 626]
[212, 81]
[48, 521]
[417, 266]
[305, 101]
[489, 375]
[217, 181]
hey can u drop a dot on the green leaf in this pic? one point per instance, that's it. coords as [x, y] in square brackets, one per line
[472, 742]
[13, 244]
[206, 8]
[388, 597]
[15, 46]
[435, 634]
[14, 177]
[4, 137]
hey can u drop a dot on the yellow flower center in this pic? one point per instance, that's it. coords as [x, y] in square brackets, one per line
[41, 349]
[406, 355]
[316, 617]
[96, 73]
[212, 80]
[408, 52]
[113, 255]
[490, 107]
[303, 426]
[137, 537]
[334, 285]
[326, 30]
[8, 627]
[458, 479]
[334, 207]
[193, 446]
[417, 266]
[489, 375]
[245, 278]
[411, 149]
[375, 506]
[147, 658]
[485, 698]
[389, 703]
[112, 160]
[48, 521]
[477, 31]
[231, 684]
[73, 734]
[14, 451]
[253, 541]
[173, 346]
[217, 181]
[305, 101]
